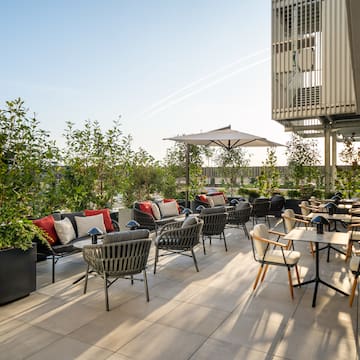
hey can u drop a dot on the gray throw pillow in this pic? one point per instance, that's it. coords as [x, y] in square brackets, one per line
[190, 220]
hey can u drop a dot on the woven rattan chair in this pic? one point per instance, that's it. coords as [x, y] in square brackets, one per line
[215, 220]
[260, 209]
[239, 216]
[178, 237]
[117, 260]
[266, 255]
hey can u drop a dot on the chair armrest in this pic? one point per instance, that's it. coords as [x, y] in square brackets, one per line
[269, 241]
[271, 231]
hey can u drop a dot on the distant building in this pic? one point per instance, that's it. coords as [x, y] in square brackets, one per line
[316, 71]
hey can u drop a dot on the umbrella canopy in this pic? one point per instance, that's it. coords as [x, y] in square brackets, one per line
[226, 138]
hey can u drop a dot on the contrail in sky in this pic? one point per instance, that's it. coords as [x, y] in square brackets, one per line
[156, 108]
[152, 109]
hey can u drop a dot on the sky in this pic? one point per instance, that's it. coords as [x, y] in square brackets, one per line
[165, 67]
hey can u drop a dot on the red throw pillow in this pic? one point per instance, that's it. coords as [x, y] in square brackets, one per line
[203, 198]
[107, 219]
[171, 200]
[145, 206]
[47, 224]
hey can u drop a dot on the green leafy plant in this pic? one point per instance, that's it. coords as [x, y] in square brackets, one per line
[26, 162]
[268, 181]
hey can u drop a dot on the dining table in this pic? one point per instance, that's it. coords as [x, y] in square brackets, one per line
[327, 237]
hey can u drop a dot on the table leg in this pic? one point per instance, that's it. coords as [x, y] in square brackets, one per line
[317, 279]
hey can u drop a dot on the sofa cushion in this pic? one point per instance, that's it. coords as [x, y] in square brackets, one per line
[126, 235]
[71, 217]
[203, 198]
[106, 214]
[210, 201]
[218, 199]
[173, 200]
[190, 220]
[85, 223]
[47, 224]
[155, 211]
[214, 210]
[65, 230]
[145, 206]
[168, 208]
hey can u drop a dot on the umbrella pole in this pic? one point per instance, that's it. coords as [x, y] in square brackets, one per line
[187, 175]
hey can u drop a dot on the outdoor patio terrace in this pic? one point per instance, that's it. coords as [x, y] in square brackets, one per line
[213, 314]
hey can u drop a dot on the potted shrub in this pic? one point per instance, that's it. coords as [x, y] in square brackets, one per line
[25, 162]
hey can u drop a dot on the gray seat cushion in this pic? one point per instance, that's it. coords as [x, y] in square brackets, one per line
[126, 235]
[213, 210]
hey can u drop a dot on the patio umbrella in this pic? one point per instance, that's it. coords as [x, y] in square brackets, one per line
[223, 137]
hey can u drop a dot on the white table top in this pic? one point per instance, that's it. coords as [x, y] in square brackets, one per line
[339, 217]
[310, 235]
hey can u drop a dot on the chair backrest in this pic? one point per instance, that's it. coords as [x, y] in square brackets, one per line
[241, 213]
[261, 207]
[119, 258]
[304, 206]
[214, 219]
[126, 235]
[259, 247]
[289, 219]
[277, 203]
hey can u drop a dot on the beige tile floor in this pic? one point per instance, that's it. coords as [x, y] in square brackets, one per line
[212, 314]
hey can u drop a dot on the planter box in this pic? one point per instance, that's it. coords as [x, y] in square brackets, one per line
[17, 273]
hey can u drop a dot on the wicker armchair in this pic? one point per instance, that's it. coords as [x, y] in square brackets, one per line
[178, 238]
[117, 260]
[261, 208]
[239, 216]
[215, 220]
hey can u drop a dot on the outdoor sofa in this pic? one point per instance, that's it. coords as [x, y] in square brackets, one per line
[64, 230]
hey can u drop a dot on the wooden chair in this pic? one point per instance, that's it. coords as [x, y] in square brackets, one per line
[290, 221]
[117, 260]
[355, 269]
[354, 237]
[266, 255]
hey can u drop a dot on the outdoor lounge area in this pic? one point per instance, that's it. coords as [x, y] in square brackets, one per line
[210, 314]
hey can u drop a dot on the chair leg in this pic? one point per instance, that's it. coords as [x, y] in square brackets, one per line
[223, 235]
[246, 231]
[312, 249]
[86, 278]
[348, 250]
[264, 272]
[53, 269]
[146, 286]
[156, 258]
[194, 258]
[258, 276]
[203, 241]
[106, 293]
[290, 284]
[353, 290]
[297, 274]
[132, 279]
